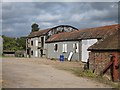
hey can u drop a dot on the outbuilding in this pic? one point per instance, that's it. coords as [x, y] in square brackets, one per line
[9, 53]
[75, 44]
[104, 57]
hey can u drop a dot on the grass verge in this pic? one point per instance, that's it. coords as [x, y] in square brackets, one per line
[89, 74]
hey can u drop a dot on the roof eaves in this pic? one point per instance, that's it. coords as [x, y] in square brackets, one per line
[62, 40]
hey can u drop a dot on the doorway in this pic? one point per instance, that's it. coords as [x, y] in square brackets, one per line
[42, 42]
[42, 46]
[41, 52]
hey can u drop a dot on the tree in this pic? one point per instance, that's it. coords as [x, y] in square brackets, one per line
[35, 27]
[9, 43]
[21, 43]
[14, 43]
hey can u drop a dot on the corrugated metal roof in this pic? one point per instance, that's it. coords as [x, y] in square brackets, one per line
[90, 33]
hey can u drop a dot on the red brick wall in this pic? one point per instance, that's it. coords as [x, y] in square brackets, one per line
[98, 61]
[119, 65]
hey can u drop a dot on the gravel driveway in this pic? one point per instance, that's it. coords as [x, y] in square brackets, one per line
[34, 73]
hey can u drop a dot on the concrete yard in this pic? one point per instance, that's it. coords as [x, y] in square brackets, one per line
[40, 73]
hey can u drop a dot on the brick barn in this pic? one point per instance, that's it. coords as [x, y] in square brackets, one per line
[104, 57]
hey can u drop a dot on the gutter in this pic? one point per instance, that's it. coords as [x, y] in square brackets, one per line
[62, 40]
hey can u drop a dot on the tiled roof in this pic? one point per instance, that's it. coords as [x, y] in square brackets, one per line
[110, 43]
[38, 33]
[90, 33]
[98, 32]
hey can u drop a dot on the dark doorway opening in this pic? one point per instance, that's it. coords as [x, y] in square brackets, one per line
[42, 46]
[42, 42]
[29, 52]
[41, 51]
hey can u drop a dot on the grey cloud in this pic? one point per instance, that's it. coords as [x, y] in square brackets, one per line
[101, 5]
[18, 17]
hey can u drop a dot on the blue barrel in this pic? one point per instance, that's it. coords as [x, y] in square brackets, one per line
[61, 57]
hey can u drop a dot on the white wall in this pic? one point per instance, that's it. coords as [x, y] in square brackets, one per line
[63, 48]
[85, 45]
[36, 53]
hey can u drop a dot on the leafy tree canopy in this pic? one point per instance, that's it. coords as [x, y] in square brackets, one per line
[14, 43]
[35, 27]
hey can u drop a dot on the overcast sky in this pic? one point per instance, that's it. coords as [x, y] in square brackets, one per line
[17, 17]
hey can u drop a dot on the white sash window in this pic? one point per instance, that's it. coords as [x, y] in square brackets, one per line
[36, 43]
[64, 50]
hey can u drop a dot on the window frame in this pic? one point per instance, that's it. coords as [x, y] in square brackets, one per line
[36, 43]
[76, 47]
[31, 42]
[64, 48]
[56, 47]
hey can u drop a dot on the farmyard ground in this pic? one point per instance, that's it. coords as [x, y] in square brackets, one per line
[42, 73]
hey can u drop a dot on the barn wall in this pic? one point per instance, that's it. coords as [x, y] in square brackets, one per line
[99, 60]
[34, 48]
[45, 50]
[119, 65]
[56, 54]
[85, 45]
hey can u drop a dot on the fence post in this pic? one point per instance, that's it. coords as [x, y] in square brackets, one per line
[115, 67]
